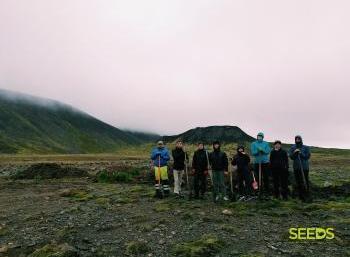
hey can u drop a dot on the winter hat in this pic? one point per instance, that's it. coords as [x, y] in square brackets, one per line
[260, 134]
[240, 147]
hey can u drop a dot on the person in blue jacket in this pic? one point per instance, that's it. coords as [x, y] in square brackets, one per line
[160, 157]
[300, 154]
[260, 150]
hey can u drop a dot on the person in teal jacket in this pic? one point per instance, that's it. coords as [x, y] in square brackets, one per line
[260, 150]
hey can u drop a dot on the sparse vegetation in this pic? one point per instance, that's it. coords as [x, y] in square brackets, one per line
[207, 245]
[136, 248]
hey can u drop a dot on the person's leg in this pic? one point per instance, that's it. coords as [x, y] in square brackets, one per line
[284, 183]
[266, 177]
[181, 175]
[165, 180]
[196, 185]
[222, 186]
[216, 184]
[300, 184]
[240, 182]
[248, 182]
[157, 184]
[276, 184]
[307, 189]
[256, 174]
[176, 181]
[203, 183]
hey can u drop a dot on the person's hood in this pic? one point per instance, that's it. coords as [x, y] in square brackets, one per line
[301, 139]
[260, 134]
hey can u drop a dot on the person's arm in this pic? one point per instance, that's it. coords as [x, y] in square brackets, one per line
[209, 157]
[292, 154]
[225, 161]
[286, 160]
[271, 157]
[194, 160]
[165, 155]
[234, 160]
[305, 153]
[247, 158]
[254, 150]
[154, 154]
[266, 149]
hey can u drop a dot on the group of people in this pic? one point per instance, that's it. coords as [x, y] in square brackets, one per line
[252, 180]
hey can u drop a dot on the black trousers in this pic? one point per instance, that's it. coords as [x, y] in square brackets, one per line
[200, 183]
[266, 175]
[280, 182]
[244, 181]
[302, 187]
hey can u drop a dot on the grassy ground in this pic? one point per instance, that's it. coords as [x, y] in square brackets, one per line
[79, 217]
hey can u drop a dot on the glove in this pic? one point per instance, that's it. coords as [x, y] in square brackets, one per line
[297, 150]
[206, 173]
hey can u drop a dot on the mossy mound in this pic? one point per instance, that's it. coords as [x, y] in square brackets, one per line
[49, 171]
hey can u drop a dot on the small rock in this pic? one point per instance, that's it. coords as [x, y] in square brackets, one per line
[227, 212]
[4, 249]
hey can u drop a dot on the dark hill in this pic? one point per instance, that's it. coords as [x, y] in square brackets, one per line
[35, 125]
[225, 134]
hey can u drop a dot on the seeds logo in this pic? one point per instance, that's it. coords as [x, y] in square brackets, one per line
[311, 233]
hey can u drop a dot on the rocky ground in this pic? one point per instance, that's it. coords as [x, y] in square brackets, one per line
[81, 216]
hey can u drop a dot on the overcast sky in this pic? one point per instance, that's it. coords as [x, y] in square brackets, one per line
[281, 67]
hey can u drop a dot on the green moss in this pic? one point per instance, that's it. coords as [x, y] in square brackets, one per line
[77, 194]
[207, 245]
[229, 228]
[52, 250]
[252, 255]
[162, 207]
[3, 231]
[136, 248]
[103, 200]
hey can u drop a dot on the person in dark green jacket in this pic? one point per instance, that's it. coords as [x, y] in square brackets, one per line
[219, 164]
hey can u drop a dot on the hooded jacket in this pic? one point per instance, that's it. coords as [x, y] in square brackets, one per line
[160, 156]
[179, 157]
[218, 160]
[304, 155]
[200, 160]
[260, 149]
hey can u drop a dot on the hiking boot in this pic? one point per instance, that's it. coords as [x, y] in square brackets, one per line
[158, 194]
[226, 198]
[216, 199]
[242, 198]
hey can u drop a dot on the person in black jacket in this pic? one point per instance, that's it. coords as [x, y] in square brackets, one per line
[219, 164]
[279, 167]
[180, 157]
[242, 160]
[200, 171]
